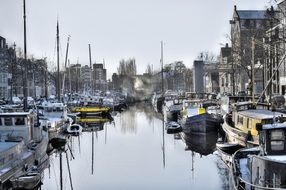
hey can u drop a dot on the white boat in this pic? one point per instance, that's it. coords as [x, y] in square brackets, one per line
[23, 144]
[74, 129]
[27, 181]
[173, 127]
[54, 115]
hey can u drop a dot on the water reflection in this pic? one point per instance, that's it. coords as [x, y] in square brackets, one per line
[203, 144]
[133, 152]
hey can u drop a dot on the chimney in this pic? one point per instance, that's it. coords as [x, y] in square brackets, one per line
[234, 7]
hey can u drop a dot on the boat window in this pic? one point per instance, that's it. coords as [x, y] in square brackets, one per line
[267, 121]
[240, 120]
[277, 135]
[277, 145]
[8, 121]
[19, 121]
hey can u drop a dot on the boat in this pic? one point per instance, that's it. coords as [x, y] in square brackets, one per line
[92, 111]
[264, 166]
[74, 129]
[173, 108]
[23, 144]
[27, 181]
[241, 125]
[173, 127]
[195, 119]
[74, 116]
[54, 115]
[226, 151]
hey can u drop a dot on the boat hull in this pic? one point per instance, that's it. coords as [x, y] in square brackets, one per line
[202, 123]
[226, 152]
[235, 135]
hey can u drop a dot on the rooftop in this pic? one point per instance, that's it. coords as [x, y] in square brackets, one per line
[252, 14]
[261, 114]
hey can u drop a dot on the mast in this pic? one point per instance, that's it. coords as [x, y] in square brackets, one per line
[162, 64]
[91, 73]
[252, 68]
[58, 63]
[70, 76]
[66, 60]
[25, 91]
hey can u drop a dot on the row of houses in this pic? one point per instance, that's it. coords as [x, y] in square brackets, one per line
[40, 81]
[256, 53]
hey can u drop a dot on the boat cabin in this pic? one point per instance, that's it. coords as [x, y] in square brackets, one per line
[247, 120]
[272, 139]
[192, 107]
[17, 126]
[54, 110]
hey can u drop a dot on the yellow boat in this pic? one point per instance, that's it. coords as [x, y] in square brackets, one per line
[242, 126]
[91, 109]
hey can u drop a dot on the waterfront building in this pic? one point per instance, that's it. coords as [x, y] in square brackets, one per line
[245, 25]
[6, 55]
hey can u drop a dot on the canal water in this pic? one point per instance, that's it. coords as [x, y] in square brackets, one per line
[135, 152]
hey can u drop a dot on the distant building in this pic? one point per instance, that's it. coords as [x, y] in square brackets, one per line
[226, 70]
[198, 76]
[99, 77]
[86, 78]
[211, 78]
[74, 76]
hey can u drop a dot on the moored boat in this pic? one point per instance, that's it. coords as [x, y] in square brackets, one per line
[226, 151]
[241, 126]
[173, 127]
[23, 144]
[195, 118]
[264, 166]
[74, 129]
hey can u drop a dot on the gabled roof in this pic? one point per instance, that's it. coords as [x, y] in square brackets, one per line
[252, 14]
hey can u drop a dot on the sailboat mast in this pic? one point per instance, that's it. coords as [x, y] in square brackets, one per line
[162, 64]
[25, 91]
[91, 73]
[58, 64]
[70, 76]
[66, 60]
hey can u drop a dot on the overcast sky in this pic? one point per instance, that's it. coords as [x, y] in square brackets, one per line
[122, 29]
